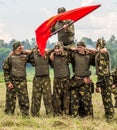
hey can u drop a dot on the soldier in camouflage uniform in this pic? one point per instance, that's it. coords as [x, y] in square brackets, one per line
[81, 84]
[114, 86]
[104, 79]
[14, 68]
[66, 36]
[61, 94]
[41, 83]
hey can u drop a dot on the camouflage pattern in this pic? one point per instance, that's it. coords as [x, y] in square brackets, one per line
[81, 93]
[104, 83]
[81, 98]
[20, 91]
[104, 80]
[41, 86]
[114, 90]
[100, 43]
[61, 96]
[66, 36]
[19, 84]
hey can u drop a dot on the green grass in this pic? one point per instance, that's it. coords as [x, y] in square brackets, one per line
[16, 122]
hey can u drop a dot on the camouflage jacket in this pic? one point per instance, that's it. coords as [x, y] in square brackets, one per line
[114, 76]
[81, 63]
[66, 35]
[14, 67]
[102, 62]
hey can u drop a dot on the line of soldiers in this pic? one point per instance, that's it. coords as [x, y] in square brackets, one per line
[71, 95]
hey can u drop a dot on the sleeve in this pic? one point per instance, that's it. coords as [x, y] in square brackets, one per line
[72, 60]
[31, 59]
[114, 76]
[6, 70]
[92, 59]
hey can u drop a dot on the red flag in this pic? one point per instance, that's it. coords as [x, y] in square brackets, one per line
[43, 32]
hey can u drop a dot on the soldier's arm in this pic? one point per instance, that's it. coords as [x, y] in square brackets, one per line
[31, 58]
[92, 59]
[6, 70]
[114, 76]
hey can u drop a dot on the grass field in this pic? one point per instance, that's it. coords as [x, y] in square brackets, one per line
[16, 122]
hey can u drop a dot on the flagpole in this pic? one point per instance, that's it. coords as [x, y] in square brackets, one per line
[61, 28]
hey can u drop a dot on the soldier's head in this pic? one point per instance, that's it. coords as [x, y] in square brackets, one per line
[61, 10]
[58, 49]
[100, 43]
[81, 47]
[17, 46]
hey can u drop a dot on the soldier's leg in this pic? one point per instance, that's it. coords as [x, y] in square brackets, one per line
[23, 98]
[47, 95]
[87, 100]
[114, 91]
[66, 97]
[36, 96]
[107, 102]
[57, 99]
[10, 101]
[74, 102]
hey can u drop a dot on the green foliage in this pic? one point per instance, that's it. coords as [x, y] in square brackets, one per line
[3, 54]
[111, 45]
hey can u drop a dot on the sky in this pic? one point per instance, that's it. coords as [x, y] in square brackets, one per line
[20, 18]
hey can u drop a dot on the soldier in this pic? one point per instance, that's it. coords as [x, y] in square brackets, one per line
[114, 86]
[41, 83]
[61, 95]
[14, 68]
[66, 36]
[81, 84]
[104, 79]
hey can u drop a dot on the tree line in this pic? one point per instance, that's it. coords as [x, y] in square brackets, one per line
[111, 45]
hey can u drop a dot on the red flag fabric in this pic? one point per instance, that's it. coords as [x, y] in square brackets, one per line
[43, 32]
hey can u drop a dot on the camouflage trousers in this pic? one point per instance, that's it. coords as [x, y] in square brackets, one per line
[105, 85]
[81, 99]
[41, 87]
[61, 96]
[114, 92]
[19, 91]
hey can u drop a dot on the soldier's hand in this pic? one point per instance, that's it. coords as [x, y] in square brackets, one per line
[52, 56]
[113, 86]
[10, 86]
[98, 90]
[87, 80]
[104, 50]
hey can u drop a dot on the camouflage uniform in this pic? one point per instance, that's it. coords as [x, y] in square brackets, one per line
[61, 93]
[81, 93]
[104, 79]
[41, 84]
[114, 90]
[14, 68]
[66, 36]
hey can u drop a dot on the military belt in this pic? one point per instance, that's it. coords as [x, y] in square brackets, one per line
[18, 79]
[41, 75]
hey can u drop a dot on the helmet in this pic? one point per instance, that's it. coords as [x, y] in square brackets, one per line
[61, 10]
[58, 45]
[81, 43]
[100, 43]
[16, 45]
